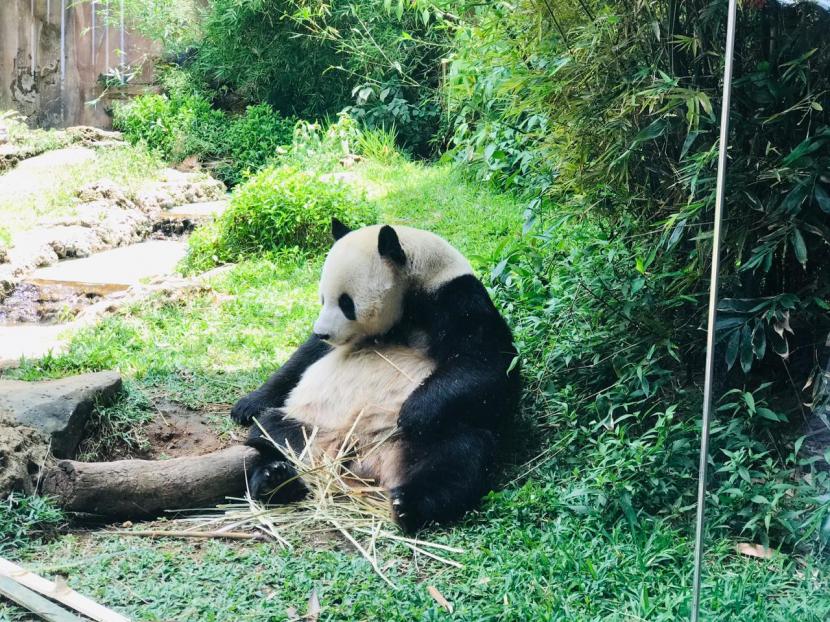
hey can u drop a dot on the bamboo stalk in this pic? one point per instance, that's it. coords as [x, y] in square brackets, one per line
[61, 593]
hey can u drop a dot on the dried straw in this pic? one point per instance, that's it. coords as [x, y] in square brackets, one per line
[338, 501]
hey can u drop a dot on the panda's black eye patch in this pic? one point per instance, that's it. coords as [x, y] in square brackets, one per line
[347, 306]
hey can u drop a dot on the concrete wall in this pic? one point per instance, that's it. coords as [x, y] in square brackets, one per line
[36, 34]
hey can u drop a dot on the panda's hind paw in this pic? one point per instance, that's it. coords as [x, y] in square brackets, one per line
[404, 513]
[272, 480]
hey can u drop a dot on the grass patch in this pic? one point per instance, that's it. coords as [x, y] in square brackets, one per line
[24, 200]
[556, 547]
[529, 555]
[25, 520]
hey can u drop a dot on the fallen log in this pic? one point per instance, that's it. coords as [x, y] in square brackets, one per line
[146, 488]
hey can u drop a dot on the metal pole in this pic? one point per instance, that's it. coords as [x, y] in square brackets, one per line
[713, 305]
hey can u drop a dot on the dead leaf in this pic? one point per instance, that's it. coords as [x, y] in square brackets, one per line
[755, 550]
[439, 598]
[313, 613]
[292, 614]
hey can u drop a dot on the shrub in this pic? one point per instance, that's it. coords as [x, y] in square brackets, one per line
[252, 140]
[611, 131]
[278, 208]
[180, 125]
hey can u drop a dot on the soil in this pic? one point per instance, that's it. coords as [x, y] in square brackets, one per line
[178, 431]
[22, 452]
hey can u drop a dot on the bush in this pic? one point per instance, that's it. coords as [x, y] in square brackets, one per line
[252, 140]
[180, 125]
[277, 209]
[611, 132]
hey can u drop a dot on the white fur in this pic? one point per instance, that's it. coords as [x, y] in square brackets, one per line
[364, 385]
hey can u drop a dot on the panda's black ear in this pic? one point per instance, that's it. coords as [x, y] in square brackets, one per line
[338, 229]
[389, 245]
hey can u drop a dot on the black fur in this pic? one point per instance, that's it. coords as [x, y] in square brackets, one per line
[389, 245]
[338, 229]
[346, 304]
[272, 394]
[450, 425]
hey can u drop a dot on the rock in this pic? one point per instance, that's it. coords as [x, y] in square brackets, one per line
[59, 409]
[31, 250]
[104, 190]
[8, 281]
[74, 241]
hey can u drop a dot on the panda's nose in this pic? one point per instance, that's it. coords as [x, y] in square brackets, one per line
[322, 336]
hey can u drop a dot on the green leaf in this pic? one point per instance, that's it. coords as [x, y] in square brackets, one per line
[744, 474]
[822, 198]
[750, 401]
[766, 413]
[792, 202]
[797, 447]
[746, 349]
[760, 499]
[651, 132]
[759, 340]
[687, 144]
[732, 348]
[799, 247]
[705, 103]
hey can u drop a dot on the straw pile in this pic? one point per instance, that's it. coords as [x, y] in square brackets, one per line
[338, 501]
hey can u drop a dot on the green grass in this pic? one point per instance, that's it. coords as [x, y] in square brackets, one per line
[543, 550]
[51, 193]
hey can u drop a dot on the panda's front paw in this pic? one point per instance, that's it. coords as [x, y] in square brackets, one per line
[250, 406]
[404, 511]
[270, 480]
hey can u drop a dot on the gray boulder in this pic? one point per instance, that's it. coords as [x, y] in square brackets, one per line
[59, 409]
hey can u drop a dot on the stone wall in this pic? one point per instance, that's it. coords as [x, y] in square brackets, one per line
[35, 34]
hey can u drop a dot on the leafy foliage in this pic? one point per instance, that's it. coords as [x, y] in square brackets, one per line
[616, 154]
[312, 59]
[186, 124]
[278, 208]
[24, 520]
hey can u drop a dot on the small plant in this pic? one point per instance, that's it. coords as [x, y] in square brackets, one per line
[379, 145]
[24, 519]
[116, 430]
[280, 207]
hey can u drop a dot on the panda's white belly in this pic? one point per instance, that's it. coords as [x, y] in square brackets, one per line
[359, 393]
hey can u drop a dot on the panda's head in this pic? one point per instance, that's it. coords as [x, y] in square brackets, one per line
[363, 284]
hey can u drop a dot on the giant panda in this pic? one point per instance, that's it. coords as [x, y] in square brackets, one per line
[408, 356]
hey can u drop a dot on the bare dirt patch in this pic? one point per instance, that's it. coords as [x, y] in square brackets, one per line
[178, 431]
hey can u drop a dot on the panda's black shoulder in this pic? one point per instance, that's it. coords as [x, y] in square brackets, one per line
[460, 316]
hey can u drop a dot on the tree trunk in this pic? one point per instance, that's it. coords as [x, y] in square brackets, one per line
[146, 488]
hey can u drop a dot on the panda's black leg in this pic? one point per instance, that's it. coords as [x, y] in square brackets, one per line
[274, 479]
[443, 478]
